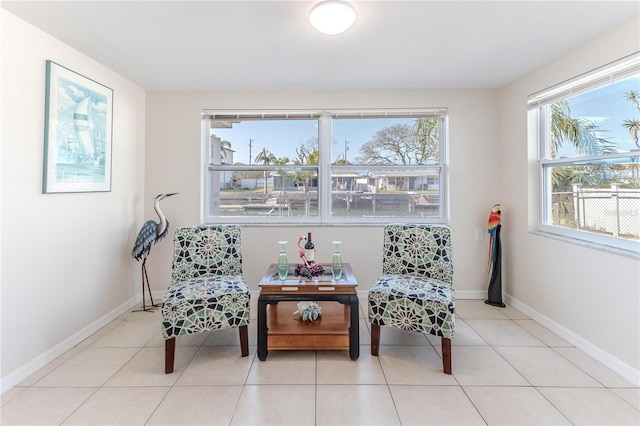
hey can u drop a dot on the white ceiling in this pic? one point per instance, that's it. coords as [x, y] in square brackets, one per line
[270, 45]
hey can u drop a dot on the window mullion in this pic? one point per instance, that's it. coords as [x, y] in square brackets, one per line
[367, 192]
[210, 205]
[324, 165]
[444, 143]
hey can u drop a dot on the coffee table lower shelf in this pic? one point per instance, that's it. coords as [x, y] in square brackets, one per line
[288, 332]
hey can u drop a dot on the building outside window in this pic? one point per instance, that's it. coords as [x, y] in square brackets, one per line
[589, 152]
[324, 166]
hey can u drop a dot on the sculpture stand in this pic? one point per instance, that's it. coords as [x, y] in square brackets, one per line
[145, 278]
[495, 282]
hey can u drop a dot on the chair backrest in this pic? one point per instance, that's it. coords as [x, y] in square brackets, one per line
[205, 250]
[418, 250]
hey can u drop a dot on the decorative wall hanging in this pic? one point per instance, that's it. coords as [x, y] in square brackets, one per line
[77, 133]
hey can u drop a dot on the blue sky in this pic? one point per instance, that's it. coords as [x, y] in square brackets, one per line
[282, 137]
[608, 108]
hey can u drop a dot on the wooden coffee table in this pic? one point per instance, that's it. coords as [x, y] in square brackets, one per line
[337, 327]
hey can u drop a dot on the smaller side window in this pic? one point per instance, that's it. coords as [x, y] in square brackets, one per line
[590, 159]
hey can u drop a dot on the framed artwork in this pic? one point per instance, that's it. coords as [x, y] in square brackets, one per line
[77, 133]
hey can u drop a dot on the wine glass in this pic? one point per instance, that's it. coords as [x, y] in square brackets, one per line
[336, 263]
[283, 264]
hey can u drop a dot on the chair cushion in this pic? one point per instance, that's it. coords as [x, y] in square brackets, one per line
[202, 304]
[418, 250]
[206, 250]
[420, 304]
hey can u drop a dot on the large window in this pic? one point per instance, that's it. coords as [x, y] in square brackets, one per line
[324, 166]
[589, 156]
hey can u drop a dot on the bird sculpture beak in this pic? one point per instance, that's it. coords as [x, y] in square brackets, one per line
[173, 193]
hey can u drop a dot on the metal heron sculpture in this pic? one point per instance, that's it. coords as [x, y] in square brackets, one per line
[150, 233]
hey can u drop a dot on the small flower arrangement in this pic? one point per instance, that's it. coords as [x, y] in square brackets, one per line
[309, 270]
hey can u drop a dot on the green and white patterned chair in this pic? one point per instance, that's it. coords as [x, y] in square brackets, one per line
[207, 290]
[415, 292]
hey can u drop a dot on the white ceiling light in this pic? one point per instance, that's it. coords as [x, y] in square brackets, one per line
[332, 17]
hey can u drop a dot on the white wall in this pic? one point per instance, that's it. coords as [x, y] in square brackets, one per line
[592, 294]
[173, 164]
[66, 263]
[589, 296]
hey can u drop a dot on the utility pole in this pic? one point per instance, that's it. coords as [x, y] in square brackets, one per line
[250, 141]
[346, 148]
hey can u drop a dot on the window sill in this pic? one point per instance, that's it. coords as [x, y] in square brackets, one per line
[590, 244]
[362, 224]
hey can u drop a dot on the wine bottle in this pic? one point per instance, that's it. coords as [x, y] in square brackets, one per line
[309, 249]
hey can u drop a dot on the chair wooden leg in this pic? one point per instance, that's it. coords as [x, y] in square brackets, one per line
[375, 339]
[244, 340]
[169, 354]
[446, 355]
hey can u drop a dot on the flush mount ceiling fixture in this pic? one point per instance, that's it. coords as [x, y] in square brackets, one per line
[332, 17]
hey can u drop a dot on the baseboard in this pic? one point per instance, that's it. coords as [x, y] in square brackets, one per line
[620, 367]
[42, 360]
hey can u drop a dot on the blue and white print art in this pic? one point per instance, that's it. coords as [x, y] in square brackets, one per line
[78, 123]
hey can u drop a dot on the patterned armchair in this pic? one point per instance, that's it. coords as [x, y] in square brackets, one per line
[207, 290]
[415, 293]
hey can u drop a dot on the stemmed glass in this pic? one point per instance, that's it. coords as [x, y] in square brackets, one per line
[283, 264]
[336, 263]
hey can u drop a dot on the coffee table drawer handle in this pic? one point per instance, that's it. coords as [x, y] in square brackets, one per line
[289, 288]
[326, 288]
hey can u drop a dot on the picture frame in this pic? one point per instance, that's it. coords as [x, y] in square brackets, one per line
[77, 130]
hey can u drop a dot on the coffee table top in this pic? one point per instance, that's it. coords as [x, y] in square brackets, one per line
[271, 283]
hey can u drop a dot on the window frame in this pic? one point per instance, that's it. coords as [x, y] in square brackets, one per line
[225, 118]
[539, 106]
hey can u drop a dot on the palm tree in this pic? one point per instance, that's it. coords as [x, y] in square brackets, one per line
[633, 125]
[427, 132]
[579, 132]
[266, 157]
[582, 134]
[225, 148]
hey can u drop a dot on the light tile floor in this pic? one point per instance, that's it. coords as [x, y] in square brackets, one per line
[507, 370]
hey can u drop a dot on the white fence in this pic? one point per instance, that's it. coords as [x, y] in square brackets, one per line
[615, 211]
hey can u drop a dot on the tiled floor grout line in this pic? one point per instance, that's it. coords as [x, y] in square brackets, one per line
[525, 378]
[466, 394]
[429, 344]
[80, 406]
[159, 404]
[514, 367]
